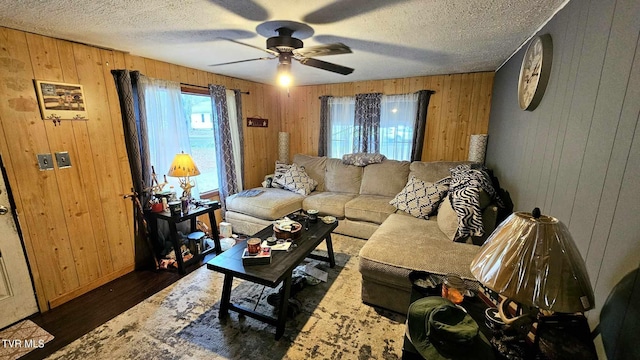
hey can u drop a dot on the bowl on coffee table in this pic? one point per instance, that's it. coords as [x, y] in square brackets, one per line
[287, 229]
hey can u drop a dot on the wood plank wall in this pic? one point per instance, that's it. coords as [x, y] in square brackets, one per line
[77, 228]
[459, 108]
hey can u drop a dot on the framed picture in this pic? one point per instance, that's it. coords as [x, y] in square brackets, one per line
[61, 101]
[257, 122]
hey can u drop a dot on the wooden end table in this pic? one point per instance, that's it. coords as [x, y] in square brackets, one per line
[192, 215]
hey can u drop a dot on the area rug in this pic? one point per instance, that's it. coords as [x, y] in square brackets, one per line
[21, 338]
[181, 321]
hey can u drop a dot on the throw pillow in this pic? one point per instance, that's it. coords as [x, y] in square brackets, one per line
[420, 198]
[297, 180]
[281, 168]
[362, 159]
[447, 218]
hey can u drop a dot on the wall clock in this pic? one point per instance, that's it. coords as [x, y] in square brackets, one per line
[534, 73]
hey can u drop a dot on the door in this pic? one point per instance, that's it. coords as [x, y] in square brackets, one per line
[17, 298]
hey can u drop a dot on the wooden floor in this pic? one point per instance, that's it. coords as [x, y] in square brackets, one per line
[79, 316]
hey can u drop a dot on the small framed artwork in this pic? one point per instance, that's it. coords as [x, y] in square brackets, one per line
[61, 101]
[257, 122]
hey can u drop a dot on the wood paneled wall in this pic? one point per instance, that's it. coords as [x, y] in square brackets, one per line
[459, 108]
[77, 228]
[577, 156]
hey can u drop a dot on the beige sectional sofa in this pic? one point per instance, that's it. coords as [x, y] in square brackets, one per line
[397, 243]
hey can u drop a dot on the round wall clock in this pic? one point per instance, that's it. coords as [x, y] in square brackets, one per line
[534, 73]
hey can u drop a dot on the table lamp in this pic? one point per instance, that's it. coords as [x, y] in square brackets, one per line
[531, 259]
[183, 167]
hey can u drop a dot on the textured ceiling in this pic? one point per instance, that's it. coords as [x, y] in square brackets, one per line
[389, 38]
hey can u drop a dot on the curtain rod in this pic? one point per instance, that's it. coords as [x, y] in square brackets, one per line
[431, 91]
[206, 87]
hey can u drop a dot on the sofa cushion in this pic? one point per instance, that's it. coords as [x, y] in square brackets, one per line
[420, 198]
[315, 166]
[371, 208]
[297, 180]
[272, 204]
[447, 219]
[342, 178]
[386, 178]
[434, 170]
[327, 203]
[404, 242]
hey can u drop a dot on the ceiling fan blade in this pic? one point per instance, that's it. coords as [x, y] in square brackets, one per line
[247, 9]
[322, 50]
[195, 35]
[241, 61]
[390, 49]
[341, 10]
[326, 66]
[274, 53]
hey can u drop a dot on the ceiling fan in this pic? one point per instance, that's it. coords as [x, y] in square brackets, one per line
[284, 47]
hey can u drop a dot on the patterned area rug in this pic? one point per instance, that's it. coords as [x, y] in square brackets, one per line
[182, 321]
[22, 338]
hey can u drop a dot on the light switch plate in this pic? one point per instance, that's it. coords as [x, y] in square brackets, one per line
[45, 161]
[63, 160]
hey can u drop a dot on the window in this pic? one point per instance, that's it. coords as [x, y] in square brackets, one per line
[198, 111]
[397, 123]
[341, 117]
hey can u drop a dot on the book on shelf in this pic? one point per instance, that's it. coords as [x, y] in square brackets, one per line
[261, 258]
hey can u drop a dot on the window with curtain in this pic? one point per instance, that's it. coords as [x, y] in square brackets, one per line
[398, 115]
[180, 120]
[341, 126]
[198, 112]
[397, 124]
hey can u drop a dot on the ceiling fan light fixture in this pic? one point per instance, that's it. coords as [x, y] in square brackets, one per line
[284, 75]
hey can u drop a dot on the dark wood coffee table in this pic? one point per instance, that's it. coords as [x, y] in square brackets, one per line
[280, 270]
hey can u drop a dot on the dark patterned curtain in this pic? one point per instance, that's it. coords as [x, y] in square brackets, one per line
[238, 95]
[421, 124]
[134, 122]
[367, 123]
[222, 134]
[323, 142]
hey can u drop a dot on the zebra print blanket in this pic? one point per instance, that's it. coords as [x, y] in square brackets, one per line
[464, 194]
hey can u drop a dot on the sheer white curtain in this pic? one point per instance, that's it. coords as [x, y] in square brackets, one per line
[397, 124]
[232, 110]
[341, 125]
[167, 127]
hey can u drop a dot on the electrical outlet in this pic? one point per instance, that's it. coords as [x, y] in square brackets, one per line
[63, 160]
[45, 161]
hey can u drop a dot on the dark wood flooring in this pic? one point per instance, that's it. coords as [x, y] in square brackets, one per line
[79, 316]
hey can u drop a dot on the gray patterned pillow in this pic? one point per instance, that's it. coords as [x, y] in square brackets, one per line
[297, 180]
[281, 168]
[420, 198]
[362, 159]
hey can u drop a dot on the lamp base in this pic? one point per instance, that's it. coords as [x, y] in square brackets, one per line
[186, 186]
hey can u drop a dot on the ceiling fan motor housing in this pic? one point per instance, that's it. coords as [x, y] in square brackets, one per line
[284, 42]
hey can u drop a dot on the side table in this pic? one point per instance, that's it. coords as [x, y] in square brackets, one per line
[173, 231]
[564, 336]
